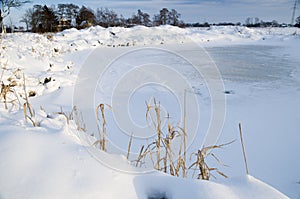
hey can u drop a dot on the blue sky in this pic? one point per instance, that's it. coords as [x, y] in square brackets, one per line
[193, 10]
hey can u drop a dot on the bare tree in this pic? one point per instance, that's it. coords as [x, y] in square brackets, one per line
[174, 17]
[249, 21]
[256, 21]
[67, 12]
[106, 17]
[141, 18]
[6, 6]
[27, 18]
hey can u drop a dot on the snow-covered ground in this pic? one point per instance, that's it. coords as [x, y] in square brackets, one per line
[123, 68]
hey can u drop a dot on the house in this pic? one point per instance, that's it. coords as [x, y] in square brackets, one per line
[64, 24]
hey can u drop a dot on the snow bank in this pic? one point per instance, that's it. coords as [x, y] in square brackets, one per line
[140, 35]
[50, 163]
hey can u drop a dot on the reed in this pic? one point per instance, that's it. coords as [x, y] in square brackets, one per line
[243, 148]
[27, 106]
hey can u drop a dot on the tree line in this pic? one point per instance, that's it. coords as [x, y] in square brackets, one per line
[43, 18]
[67, 15]
[64, 16]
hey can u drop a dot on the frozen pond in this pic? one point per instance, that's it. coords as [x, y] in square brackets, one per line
[253, 63]
[266, 93]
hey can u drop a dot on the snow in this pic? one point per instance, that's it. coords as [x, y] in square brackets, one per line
[51, 164]
[260, 71]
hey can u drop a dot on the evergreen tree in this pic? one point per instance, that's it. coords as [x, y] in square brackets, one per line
[166, 17]
[49, 20]
[85, 18]
[297, 22]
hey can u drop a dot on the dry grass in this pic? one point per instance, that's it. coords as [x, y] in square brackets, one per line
[27, 106]
[165, 157]
[102, 131]
[76, 116]
[65, 114]
[10, 96]
[8, 93]
[143, 154]
[201, 165]
[49, 36]
[5, 91]
[161, 151]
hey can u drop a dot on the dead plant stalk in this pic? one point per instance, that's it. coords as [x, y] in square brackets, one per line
[103, 134]
[243, 147]
[129, 146]
[184, 136]
[28, 106]
[158, 130]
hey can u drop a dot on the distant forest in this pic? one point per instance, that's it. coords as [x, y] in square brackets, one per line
[64, 16]
[42, 18]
